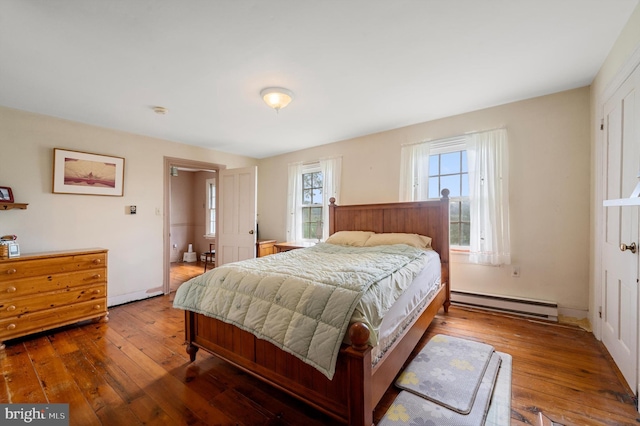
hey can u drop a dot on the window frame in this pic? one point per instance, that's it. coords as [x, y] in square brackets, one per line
[450, 146]
[210, 207]
[307, 169]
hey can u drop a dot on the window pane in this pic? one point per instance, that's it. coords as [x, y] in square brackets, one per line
[452, 183]
[317, 180]
[465, 215]
[306, 231]
[450, 163]
[465, 184]
[306, 180]
[434, 168]
[317, 196]
[465, 234]
[434, 187]
[316, 214]
[305, 214]
[465, 169]
[454, 211]
[454, 234]
[307, 196]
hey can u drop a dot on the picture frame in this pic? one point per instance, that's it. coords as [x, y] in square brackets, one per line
[76, 172]
[6, 195]
[14, 249]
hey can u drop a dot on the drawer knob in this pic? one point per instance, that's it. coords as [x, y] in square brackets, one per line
[11, 326]
[97, 307]
[97, 291]
[11, 271]
[11, 308]
[97, 261]
[11, 289]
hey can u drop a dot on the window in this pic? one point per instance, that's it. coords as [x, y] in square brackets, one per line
[449, 170]
[312, 184]
[475, 169]
[210, 219]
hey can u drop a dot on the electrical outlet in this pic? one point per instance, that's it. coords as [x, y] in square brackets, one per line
[515, 271]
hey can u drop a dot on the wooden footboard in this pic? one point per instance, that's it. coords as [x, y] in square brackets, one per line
[356, 388]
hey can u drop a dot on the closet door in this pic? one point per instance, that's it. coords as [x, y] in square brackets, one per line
[620, 262]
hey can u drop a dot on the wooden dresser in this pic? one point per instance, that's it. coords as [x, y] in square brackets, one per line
[42, 291]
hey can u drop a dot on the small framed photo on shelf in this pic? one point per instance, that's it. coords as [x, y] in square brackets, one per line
[6, 195]
[14, 250]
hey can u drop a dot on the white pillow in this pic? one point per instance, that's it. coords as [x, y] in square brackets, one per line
[349, 238]
[414, 240]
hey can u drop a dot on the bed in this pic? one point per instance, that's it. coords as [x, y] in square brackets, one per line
[360, 377]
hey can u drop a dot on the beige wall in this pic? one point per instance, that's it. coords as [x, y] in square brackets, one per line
[549, 192]
[62, 221]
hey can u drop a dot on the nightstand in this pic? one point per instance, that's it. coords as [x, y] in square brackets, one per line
[265, 248]
[292, 245]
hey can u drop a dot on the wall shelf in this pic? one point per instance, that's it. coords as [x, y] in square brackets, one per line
[10, 206]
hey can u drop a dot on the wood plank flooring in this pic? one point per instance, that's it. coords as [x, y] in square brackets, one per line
[134, 370]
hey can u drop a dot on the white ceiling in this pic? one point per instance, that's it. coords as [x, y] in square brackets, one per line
[355, 67]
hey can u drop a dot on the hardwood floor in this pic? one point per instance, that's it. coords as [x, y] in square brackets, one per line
[134, 370]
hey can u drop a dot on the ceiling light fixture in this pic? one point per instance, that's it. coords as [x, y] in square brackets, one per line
[276, 97]
[160, 110]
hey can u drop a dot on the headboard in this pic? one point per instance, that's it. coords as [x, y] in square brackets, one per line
[430, 218]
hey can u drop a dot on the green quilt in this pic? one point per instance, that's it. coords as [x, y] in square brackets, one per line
[301, 300]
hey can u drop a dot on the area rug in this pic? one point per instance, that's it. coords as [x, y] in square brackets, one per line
[448, 371]
[411, 409]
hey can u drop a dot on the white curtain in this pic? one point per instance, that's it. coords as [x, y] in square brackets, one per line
[488, 162]
[331, 172]
[414, 172]
[294, 201]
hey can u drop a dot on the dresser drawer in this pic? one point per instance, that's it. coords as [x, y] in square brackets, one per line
[21, 268]
[45, 283]
[18, 307]
[51, 318]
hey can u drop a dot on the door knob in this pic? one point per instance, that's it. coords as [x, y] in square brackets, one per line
[251, 232]
[631, 247]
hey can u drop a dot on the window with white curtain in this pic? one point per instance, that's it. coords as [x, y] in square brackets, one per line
[311, 185]
[429, 167]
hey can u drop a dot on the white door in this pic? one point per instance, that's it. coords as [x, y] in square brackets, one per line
[236, 239]
[620, 265]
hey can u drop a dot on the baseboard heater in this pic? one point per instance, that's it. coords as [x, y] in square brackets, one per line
[523, 307]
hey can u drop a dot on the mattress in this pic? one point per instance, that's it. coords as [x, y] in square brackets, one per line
[421, 291]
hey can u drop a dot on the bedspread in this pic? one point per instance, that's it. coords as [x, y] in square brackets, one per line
[300, 300]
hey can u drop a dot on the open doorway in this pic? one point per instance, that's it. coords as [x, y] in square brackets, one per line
[188, 231]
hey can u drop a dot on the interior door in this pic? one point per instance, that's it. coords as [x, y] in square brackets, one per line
[237, 215]
[620, 264]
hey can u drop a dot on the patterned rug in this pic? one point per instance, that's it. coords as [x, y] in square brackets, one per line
[453, 382]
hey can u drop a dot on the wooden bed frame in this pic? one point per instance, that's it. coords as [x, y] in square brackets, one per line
[357, 386]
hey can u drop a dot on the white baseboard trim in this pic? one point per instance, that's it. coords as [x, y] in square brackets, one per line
[131, 297]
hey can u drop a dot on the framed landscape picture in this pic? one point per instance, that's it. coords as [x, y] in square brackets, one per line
[77, 172]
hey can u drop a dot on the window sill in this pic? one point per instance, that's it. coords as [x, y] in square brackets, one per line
[209, 236]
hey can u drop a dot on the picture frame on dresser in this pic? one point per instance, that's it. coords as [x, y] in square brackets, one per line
[14, 250]
[76, 172]
[6, 195]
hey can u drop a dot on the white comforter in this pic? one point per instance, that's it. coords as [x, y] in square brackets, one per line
[301, 300]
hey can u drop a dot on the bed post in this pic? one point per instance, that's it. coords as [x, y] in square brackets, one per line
[190, 334]
[444, 251]
[360, 404]
[332, 215]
